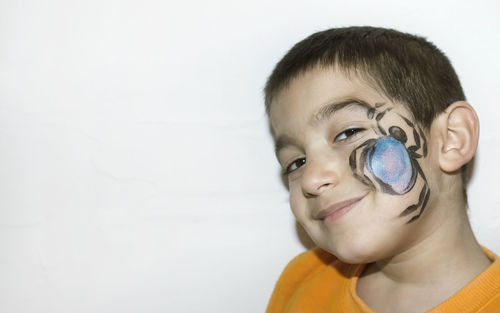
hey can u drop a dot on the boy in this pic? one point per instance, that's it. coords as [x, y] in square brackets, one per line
[374, 136]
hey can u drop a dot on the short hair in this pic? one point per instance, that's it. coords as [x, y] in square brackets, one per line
[406, 68]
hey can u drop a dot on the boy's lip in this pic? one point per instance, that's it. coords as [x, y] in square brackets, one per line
[344, 205]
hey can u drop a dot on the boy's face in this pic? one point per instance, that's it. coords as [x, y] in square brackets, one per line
[360, 171]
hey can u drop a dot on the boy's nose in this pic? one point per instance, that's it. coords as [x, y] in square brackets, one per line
[319, 176]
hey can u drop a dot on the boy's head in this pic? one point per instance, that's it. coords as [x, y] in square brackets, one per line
[370, 127]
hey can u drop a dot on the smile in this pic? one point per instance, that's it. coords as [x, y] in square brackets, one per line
[337, 210]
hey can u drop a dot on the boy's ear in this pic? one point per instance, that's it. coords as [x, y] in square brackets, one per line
[459, 134]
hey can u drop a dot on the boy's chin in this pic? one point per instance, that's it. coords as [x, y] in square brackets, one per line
[356, 252]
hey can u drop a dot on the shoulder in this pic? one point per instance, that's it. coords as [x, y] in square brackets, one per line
[489, 284]
[299, 270]
[306, 265]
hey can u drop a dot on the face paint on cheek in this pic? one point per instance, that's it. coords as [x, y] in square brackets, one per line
[390, 164]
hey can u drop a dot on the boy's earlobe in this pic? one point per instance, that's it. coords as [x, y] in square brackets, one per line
[459, 130]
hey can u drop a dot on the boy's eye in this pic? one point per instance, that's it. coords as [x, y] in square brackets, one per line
[294, 165]
[347, 133]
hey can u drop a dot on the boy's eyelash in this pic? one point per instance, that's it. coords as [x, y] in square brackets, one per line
[297, 162]
[344, 135]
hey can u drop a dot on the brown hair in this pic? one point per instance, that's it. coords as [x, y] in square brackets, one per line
[406, 68]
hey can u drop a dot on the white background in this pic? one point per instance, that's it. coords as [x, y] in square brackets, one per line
[137, 172]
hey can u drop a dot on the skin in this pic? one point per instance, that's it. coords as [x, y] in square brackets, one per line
[407, 262]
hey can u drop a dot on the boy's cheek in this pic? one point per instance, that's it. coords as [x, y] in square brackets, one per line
[295, 202]
[299, 205]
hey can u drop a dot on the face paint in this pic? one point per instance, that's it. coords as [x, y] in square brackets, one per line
[392, 165]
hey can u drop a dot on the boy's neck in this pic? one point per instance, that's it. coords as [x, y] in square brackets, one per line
[449, 253]
[450, 247]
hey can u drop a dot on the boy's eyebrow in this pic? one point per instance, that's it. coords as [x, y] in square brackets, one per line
[326, 111]
[283, 141]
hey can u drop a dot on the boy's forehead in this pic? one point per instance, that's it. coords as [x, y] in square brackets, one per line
[318, 93]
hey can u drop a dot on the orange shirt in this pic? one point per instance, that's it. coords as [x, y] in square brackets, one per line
[316, 282]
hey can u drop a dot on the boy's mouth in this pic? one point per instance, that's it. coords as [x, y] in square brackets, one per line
[337, 210]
